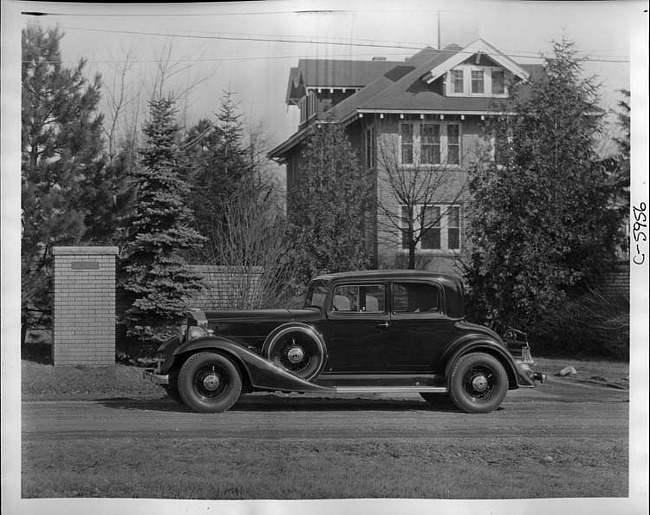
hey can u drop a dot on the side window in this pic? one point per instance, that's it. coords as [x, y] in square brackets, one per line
[364, 298]
[415, 298]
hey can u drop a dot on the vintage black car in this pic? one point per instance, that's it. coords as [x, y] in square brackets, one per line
[358, 332]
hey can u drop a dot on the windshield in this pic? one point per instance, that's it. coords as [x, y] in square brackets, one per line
[316, 295]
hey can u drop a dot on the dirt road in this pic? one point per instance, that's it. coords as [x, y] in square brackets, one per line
[557, 409]
[573, 435]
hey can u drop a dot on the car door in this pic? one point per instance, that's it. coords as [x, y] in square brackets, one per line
[419, 327]
[356, 331]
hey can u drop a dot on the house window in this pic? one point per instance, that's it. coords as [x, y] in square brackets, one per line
[453, 144]
[501, 144]
[312, 104]
[371, 148]
[457, 81]
[406, 131]
[478, 82]
[303, 109]
[430, 143]
[430, 139]
[431, 223]
[498, 82]
[453, 228]
[407, 217]
[437, 227]
[470, 80]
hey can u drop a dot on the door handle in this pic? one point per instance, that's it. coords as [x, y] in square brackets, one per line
[383, 325]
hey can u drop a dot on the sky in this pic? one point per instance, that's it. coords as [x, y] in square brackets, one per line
[248, 48]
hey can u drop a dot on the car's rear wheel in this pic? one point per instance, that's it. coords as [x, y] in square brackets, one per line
[209, 382]
[478, 383]
[298, 350]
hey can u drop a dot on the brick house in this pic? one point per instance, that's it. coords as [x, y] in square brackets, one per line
[412, 122]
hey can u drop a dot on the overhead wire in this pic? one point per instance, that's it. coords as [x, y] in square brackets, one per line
[275, 39]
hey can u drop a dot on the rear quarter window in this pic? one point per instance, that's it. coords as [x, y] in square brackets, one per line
[411, 297]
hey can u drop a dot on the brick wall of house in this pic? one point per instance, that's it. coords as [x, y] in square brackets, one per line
[84, 306]
[390, 254]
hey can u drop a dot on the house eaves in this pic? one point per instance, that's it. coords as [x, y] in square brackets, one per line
[279, 152]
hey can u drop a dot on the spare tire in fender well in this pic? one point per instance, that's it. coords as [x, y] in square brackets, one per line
[298, 348]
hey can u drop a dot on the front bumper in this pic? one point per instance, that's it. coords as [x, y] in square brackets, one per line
[150, 375]
[530, 373]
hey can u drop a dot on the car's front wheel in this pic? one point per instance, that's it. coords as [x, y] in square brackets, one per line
[173, 393]
[209, 382]
[478, 383]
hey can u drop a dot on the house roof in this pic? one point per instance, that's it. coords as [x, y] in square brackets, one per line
[399, 87]
[479, 46]
[334, 73]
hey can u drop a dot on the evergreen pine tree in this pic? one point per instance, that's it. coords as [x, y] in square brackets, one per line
[159, 232]
[539, 222]
[62, 162]
[219, 163]
[329, 206]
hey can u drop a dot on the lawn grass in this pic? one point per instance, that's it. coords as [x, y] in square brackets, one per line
[47, 382]
[211, 468]
[598, 371]
[42, 381]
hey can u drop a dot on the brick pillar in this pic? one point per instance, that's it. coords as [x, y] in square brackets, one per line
[84, 306]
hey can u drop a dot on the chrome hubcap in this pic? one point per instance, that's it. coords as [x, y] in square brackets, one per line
[295, 354]
[211, 382]
[480, 383]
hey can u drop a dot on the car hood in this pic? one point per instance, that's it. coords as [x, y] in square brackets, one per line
[266, 315]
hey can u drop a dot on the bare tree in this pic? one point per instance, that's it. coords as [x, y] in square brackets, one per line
[420, 186]
[252, 247]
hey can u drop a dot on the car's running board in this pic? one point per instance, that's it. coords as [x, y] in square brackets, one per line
[391, 389]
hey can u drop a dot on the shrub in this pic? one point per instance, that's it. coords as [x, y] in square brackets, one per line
[590, 324]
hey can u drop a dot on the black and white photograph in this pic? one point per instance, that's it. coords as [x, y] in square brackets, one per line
[320, 257]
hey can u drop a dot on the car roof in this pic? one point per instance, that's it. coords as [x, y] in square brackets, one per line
[452, 284]
[387, 275]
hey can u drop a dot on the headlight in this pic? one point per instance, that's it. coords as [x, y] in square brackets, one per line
[196, 331]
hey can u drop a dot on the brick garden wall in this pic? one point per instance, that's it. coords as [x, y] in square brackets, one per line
[227, 287]
[616, 282]
[84, 305]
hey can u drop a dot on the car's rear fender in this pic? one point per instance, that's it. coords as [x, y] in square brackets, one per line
[480, 343]
[260, 373]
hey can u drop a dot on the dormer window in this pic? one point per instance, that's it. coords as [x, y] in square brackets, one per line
[458, 81]
[498, 82]
[478, 82]
[481, 81]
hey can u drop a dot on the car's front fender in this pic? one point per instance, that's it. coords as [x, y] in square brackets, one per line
[262, 373]
[483, 343]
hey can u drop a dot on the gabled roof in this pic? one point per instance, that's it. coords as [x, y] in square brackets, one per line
[480, 46]
[399, 87]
